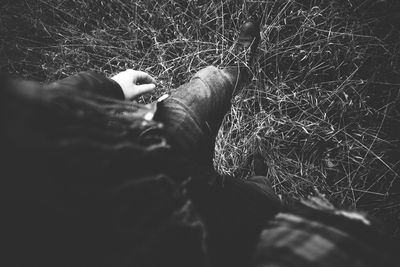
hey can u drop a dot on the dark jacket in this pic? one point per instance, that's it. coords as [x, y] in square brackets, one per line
[88, 180]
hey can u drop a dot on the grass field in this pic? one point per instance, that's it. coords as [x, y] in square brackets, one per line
[324, 104]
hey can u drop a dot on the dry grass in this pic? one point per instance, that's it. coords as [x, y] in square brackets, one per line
[321, 105]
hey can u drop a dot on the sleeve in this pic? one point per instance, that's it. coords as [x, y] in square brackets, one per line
[92, 82]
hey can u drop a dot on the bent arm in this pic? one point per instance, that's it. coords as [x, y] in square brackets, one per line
[92, 82]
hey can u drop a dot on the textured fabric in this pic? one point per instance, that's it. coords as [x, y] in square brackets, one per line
[293, 240]
[194, 112]
[234, 212]
[90, 82]
[83, 184]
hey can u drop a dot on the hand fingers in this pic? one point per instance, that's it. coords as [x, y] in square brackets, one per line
[144, 88]
[143, 77]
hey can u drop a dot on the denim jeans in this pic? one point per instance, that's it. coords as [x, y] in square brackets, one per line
[194, 112]
[233, 209]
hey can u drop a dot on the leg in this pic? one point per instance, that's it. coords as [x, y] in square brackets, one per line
[234, 212]
[194, 112]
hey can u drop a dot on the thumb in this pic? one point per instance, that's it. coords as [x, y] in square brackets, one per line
[144, 88]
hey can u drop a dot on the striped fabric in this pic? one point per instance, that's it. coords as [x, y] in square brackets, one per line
[293, 240]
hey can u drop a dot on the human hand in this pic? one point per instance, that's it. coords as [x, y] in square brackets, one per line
[134, 83]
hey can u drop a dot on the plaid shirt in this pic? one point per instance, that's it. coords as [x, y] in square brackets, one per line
[294, 240]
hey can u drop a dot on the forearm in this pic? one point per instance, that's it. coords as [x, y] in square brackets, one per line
[91, 82]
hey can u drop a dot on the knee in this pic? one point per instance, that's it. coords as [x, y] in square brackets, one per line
[214, 77]
[207, 72]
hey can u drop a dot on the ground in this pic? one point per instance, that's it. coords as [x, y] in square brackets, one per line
[323, 106]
